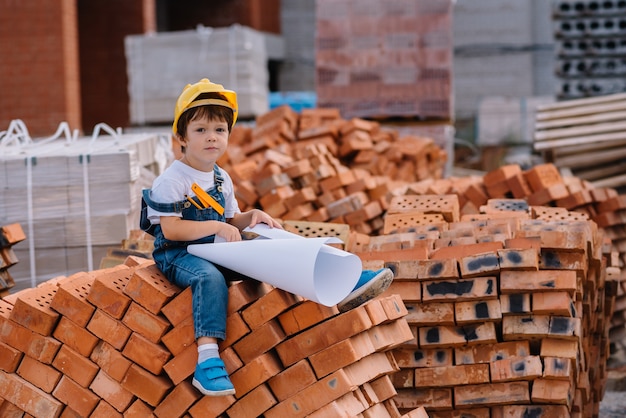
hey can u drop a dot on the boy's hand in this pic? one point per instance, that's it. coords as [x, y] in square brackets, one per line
[258, 217]
[229, 232]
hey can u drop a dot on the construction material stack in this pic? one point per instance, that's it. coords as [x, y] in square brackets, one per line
[73, 197]
[591, 47]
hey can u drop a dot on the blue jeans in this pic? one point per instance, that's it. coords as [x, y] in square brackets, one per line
[209, 289]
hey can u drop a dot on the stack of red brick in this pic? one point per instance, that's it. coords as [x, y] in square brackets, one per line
[319, 167]
[384, 58]
[9, 236]
[561, 198]
[119, 342]
[509, 308]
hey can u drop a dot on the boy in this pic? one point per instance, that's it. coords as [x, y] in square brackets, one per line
[204, 116]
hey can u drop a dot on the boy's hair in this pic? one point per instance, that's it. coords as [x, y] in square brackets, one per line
[211, 112]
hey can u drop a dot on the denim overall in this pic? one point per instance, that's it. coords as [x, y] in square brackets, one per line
[209, 289]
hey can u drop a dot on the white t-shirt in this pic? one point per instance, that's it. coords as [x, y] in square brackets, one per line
[175, 183]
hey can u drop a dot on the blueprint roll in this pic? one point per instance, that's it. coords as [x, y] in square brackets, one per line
[307, 267]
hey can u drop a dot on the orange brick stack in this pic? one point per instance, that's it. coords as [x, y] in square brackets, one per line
[119, 342]
[509, 309]
[316, 166]
[9, 236]
[553, 197]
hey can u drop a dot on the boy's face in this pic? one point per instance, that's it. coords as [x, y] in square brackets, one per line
[205, 141]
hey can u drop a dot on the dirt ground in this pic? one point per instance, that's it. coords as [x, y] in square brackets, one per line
[613, 405]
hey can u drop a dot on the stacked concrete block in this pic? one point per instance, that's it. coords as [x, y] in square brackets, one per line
[591, 52]
[73, 198]
[120, 342]
[385, 59]
[160, 65]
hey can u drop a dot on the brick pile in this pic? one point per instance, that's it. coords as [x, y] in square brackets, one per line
[509, 308]
[9, 236]
[556, 197]
[316, 166]
[119, 342]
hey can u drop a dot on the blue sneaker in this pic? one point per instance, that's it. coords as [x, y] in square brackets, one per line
[370, 284]
[211, 378]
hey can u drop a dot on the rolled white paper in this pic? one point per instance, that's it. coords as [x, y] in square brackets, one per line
[303, 266]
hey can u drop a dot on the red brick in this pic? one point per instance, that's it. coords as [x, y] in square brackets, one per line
[110, 360]
[104, 410]
[43, 376]
[544, 411]
[515, 303]
[177, 401]
[513, 281]
[304, 315]
[459, 252]
[70, 299]
[145, 353]
[409, 291]
[268, 307]
[436, 313]
[477, 288]
[150, 288]
[418, 358]
[27, 397]
[75, 337]
[180, 337]
[317, 338]
[416, 253]
[437, 269]
[259, 341]
[255, 403]
[29, 342]
[9, 358]
[390, 335]
[477, 311]
[492, 394]
[255, 373]
[431, 398]
[32, 309]
[341, 354]
[552, 391]
[145, 323]
[468, 374]
[146, 386]
[108, 329]
[309, 399]
[211, 406]
[76, 397]
[107, 291]
[179, 308]
[139, 409]
[552, 347]
[543, 176]
[515, 368]
[77, 367]
[111, 391]
[236, 329]
[292, 380]
[13, 233]
[183, 364]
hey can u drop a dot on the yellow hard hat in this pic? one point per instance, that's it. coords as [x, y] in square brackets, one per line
[187, 99]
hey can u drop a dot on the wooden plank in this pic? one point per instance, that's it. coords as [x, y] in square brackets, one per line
[591, 159]
[581, 107]
[610, 182]
[582, 120]
[576, 131]
[588, 139]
